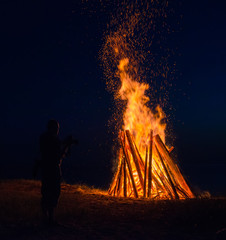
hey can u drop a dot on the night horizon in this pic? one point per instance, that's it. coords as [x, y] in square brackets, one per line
[51, 70]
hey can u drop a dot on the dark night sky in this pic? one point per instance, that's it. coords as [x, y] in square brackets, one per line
[50, 69]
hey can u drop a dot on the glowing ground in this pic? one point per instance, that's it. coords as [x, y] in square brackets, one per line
[88, 213]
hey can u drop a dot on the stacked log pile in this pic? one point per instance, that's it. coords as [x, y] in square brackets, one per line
[157, 176]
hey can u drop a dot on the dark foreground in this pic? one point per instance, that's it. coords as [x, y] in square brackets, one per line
[86, 213]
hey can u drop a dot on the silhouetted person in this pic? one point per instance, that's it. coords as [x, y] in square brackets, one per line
[52, 151]
[50, 148]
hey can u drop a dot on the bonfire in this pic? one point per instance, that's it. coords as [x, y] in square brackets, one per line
[145, 167]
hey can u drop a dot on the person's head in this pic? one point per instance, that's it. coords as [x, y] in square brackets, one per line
[53, 127]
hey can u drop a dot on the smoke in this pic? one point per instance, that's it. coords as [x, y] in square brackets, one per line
[201, 193]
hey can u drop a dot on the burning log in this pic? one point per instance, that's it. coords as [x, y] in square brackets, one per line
[145, 172]
[135, 159]
[162, 177]
[117, 183]
[165, 189]
[129, 186]
[112, 187]
[173, 167]
[182, 192]
[114, 192]
[171, 149]
[167, 173]
[129, 167]
[119, 180]
[139, 156]
[150, 164]
[125, 184]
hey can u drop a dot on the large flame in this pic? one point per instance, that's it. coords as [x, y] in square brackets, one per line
[138, 117]
[141, 122]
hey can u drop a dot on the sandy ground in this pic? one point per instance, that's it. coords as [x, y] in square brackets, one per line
[88, 213]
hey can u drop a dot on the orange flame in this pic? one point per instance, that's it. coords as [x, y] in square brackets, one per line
[138, 117]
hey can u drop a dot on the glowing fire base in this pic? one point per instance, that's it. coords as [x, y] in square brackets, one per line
[156, 177]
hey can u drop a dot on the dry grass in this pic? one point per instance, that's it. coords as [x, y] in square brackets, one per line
[89, 213]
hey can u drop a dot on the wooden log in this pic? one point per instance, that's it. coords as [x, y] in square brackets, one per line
[166, 189]
[185, 185]
[161, 179]
[169, 169]
[129, 168]
[129, 183]
[150, 164]
[173, 167]
[111, 189]
[125, 183]
[182, 192]
[119, 180]
[117, 185]
[171, 149]
[145, 172]
[135, 159]
[167, 173]
[156, 184]
[138, 153]
[112, 186]
[171, 176]
[114, 193]
[156, 181]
